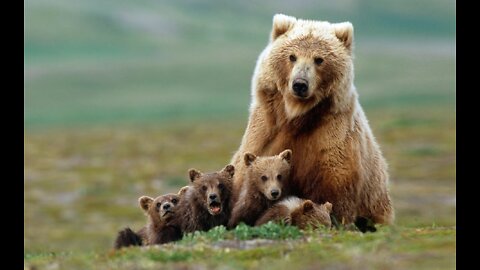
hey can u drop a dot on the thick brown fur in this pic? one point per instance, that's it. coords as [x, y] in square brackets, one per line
[159, 212]
[337, 158]
[263, 175]
[298, 212]
[197, 209]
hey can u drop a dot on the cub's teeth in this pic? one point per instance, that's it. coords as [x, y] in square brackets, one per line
[215, 209]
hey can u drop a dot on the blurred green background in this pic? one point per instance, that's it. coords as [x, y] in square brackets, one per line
[123, 97]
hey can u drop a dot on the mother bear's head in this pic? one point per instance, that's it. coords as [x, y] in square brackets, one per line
[309, 62]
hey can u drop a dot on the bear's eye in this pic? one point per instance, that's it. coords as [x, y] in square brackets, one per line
[158, 205]
[204, 188]
[221, 186]
[279, 177]
[293, 58]
[264, 178]
[174, 201]
[318, 60]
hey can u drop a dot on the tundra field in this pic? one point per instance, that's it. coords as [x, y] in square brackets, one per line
[122, 98]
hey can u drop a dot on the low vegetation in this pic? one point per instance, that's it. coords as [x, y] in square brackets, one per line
[274, 246]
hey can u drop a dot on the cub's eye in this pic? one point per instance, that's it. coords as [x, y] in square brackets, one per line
[279, 177]
[158, 205]
[204, 188]
[293, 58]
[318, 60]
[221, 186]
[174, 201]
[264, 178]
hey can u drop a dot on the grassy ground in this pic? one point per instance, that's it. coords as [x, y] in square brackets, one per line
[122, 98]
[388, 248]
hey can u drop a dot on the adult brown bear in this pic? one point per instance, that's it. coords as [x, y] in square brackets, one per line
[303, 98]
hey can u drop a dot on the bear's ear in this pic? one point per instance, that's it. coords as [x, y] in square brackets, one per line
[328, 206]
[286, 155]
[182, 191]
[249, 158]
[281, 24]
[194, 174]
[229, 169]
[344, 32]
[145, 202]
[307, 206]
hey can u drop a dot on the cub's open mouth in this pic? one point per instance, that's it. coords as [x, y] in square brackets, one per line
[215, 208]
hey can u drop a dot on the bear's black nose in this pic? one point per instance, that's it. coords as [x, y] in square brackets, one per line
[300, 87]
[166, 206]
[275, 193]
[212, 196]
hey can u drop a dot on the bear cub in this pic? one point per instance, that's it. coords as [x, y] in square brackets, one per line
[206, 202]
[157, 231]
[262, 186]
[298, 212]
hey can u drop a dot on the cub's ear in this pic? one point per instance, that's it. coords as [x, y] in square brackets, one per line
[249, 158]
[344, 32]
[194, 174]
[307, 206]
[182, 191]
[286, 155]
[145, 202]
[281, 24]
[328, 206]
[229, 169]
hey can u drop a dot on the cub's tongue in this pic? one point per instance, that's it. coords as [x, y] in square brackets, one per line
[215, 209]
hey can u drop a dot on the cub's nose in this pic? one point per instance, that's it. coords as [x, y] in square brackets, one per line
[212, 196]
[275, 193]
[300, 87]
[166, 206]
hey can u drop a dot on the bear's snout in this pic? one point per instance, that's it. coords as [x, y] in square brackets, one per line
[212, 197]
[275, 193]
[166, 209]
[166, 206]
[214, 204]
[300, 87]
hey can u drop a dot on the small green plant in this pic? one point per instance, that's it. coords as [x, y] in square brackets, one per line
[269, 230]
[273, 230]
[243, 232]
[216, 233]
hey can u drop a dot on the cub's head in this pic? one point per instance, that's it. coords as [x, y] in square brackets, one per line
[161, 208]
[310, 214]
[312, 62]
[268, 174]
[213, 189]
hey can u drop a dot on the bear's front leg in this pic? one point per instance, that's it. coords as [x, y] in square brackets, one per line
[245, 212]
[239, 211]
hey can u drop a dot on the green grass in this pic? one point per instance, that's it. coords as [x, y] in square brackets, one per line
[390, 248]
[123, 97]
[245, 232]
